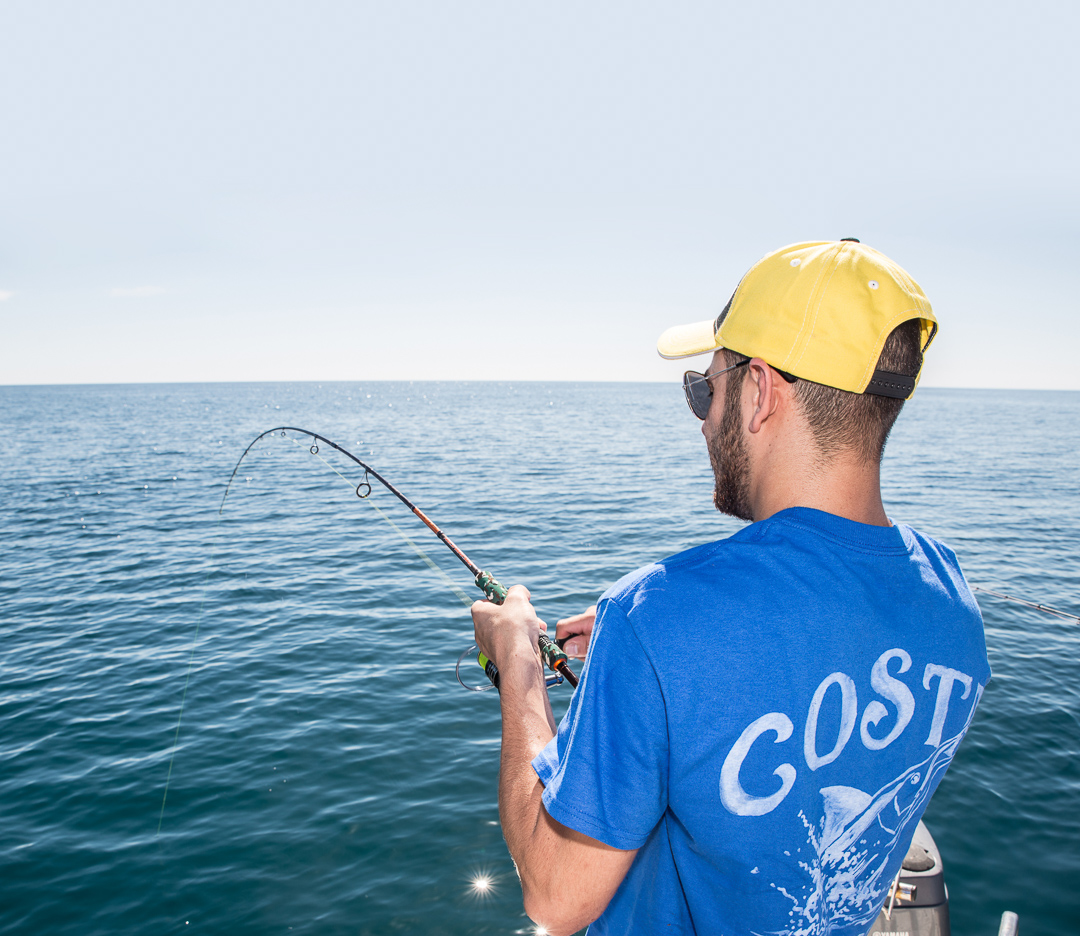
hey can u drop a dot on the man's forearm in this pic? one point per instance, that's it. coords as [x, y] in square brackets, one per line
[527, 725]
[567, 878]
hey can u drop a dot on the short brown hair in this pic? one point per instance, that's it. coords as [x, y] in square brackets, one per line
[861, 422]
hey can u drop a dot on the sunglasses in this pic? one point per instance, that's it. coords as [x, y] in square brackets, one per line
[698, 390]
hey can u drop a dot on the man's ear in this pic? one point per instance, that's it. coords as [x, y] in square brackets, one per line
[764, 394]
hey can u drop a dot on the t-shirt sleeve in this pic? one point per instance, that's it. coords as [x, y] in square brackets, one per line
[605, 772]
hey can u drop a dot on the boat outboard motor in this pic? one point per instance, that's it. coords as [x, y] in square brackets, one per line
[918, 904]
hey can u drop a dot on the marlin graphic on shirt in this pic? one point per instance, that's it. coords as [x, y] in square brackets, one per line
[853, 841]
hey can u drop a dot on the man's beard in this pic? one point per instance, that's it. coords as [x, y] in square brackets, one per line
[730, 463]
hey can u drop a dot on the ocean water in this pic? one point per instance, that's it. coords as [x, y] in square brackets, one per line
[329, 775]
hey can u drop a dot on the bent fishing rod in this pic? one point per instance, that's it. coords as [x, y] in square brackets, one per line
[552, 654]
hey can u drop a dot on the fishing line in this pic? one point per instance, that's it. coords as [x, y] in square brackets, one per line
[187, 677]
[176, 736]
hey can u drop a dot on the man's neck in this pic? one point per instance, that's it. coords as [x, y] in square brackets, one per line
[787, 466]
[839, 484]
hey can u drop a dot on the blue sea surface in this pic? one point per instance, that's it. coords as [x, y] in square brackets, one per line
[329, 775]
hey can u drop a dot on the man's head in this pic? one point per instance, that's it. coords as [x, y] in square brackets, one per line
[842, 325]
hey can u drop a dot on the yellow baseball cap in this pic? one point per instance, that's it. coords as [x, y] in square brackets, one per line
[821, 311]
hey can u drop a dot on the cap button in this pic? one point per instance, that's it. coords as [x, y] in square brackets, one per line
[853, 240]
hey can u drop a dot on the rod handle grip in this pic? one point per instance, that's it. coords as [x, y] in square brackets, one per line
[494, 592]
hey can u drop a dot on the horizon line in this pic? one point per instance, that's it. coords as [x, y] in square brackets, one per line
[428, 380]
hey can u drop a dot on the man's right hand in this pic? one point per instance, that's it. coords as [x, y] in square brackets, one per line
[576, 629]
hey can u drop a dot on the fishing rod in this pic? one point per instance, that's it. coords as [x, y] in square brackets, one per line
[552, 654]
[1029, 604]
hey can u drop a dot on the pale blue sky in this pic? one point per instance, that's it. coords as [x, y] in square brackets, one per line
[331, 190]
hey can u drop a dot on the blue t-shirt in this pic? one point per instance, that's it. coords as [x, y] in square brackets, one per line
[765, 718]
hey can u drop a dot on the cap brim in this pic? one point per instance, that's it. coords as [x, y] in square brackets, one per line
[687, 340]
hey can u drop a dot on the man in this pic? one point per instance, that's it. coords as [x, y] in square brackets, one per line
[762, 720]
